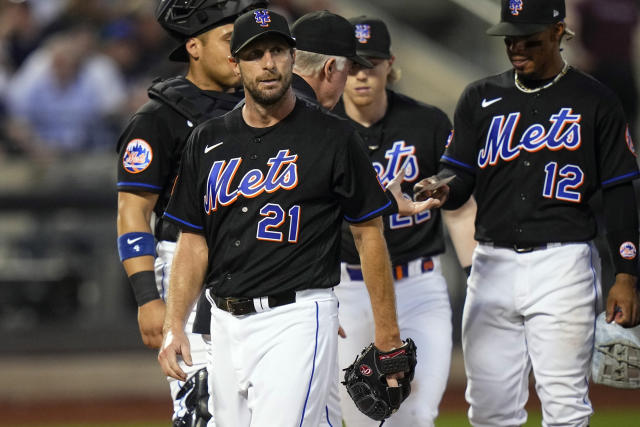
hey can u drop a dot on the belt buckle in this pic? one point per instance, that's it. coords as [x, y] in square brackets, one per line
[522, 250]
[229, 304]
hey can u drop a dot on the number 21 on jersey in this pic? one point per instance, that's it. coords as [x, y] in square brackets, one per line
[274, 217]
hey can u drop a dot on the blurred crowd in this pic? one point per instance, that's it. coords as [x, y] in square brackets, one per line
[73, 71]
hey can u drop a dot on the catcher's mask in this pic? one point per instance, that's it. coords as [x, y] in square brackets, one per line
[616, 355]
[184, 19]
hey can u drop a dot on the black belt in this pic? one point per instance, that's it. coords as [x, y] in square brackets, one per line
[523, 248]
[239, 306]
[399, 271]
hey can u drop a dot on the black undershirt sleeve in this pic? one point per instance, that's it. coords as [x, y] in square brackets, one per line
[621, 222]
[460, 188]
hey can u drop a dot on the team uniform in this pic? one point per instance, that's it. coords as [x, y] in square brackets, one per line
[270, 204]
[150, 148]
[534, 158]
[414, 134]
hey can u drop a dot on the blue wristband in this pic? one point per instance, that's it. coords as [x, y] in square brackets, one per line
[131, 245]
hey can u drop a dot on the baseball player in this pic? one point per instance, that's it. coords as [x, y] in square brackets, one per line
[533, 144]
[260, 197]
[150, 149]
[396, 131]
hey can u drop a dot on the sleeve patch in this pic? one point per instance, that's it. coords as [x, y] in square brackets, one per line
[628, 250]
[627, 136]
[449, 139]
[137, 156]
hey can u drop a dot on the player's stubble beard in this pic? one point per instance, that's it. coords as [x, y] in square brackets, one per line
[264, 97]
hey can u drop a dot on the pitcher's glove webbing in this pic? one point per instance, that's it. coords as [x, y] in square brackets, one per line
[365, 379]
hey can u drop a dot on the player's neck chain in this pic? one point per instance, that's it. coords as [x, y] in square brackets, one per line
[525, 89]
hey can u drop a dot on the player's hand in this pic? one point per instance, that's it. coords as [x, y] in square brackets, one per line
[406, 206]
[174, 343]
[150, 320]
[424, 190]
[341, 332]
[623, 301]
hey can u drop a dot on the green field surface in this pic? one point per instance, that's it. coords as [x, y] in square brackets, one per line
[611, 418]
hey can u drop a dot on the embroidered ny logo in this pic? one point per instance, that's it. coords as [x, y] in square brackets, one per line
[515, 6]
[262, 17]
[363, 32]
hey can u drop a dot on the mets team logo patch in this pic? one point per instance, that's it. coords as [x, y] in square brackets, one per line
[363, 33]
[137, 156]
[449, 139]
[628, 250]
[262, 17]
[627, 136]
[515, 6]
[366, 370]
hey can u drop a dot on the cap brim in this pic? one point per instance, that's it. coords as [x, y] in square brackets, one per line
[179, 54]
[360, 60]
[510, 29]
[289, 39]
[373, 54]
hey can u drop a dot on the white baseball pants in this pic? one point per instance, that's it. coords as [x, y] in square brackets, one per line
[530, 310]
[276, 367]
[424, 315]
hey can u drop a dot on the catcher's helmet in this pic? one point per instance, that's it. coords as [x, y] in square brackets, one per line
[183, 19]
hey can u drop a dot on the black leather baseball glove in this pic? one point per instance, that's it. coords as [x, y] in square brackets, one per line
[365, 379]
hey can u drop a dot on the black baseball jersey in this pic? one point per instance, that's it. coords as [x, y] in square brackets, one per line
[538, 157]
[270, 201]
[417, 134]
[152, 142]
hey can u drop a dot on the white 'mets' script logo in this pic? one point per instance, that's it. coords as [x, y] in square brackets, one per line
[486, 103]
[224, 187]
[207, 148]
[563, 133]
[132, 241]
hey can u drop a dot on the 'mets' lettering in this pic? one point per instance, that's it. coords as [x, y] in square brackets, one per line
[564, 133]
[282, 174]
[397, 156]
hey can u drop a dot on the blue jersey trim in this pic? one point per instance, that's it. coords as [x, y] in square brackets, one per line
[313, 369]
[369, 215]
[139, 184]
[618, 178]
[197, 227]
[456, 162]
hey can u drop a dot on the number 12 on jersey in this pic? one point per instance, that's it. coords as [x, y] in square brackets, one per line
[570, 178]
[274, 218]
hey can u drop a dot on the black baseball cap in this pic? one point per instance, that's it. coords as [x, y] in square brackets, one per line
[525, 17]
[327, 33]
[258, 23]
[372, 37]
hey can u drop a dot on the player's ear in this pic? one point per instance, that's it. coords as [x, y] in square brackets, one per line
[234, 64]
[193, 47]
[329, 68]
[558, 31]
